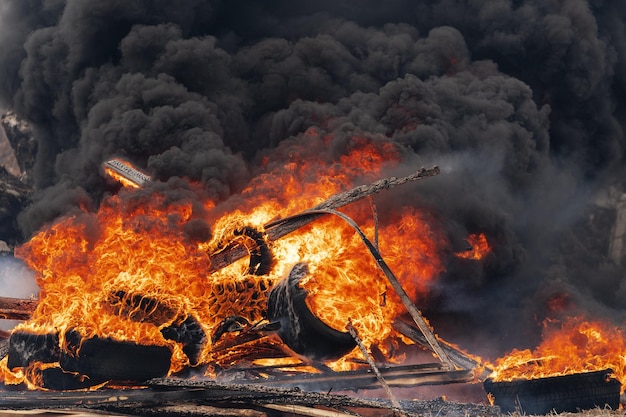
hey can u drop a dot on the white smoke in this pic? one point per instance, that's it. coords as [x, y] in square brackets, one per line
[16, 280]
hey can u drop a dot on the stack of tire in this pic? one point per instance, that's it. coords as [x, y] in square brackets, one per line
[82, 363]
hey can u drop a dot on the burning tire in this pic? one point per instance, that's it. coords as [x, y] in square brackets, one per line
[185, 329]
[26, 348]
[569, 393]
[104, 359]
[261, 259]
[38, 355]
[56, 378]
[190, 335]
[300, 329]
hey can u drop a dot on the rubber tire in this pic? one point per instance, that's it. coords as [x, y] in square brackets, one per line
[57, 379]
[104, 359]
[300, 329]
[569, 393]
[26, 347]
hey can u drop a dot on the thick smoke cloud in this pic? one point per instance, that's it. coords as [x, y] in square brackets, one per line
[519, 102]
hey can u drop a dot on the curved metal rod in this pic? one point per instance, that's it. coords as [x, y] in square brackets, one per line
[416, 315]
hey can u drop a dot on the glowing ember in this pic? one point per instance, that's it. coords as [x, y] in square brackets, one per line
[574, 346]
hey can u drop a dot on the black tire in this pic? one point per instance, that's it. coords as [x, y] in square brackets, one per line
[569, 393]
[104, 359]
[137, 308]
[57, 379]
[26, 347]
[261, 258]
[190, 334]
[300, 329]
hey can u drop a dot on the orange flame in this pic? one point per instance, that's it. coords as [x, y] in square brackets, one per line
[138, 248]
[479, 247]
[575, 346]
[81, 261]
[120, 178]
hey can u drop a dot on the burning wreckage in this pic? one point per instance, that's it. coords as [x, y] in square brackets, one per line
[241, 330]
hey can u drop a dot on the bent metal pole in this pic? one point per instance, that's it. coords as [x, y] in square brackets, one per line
[279, 228]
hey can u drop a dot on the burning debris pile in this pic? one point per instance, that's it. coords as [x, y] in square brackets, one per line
[142, 282]
[230, 313]
[246, 119]
[221, 311]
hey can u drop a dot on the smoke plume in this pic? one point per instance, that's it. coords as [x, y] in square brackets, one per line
[519, 102]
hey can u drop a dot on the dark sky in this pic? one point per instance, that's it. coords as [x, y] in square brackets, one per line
[519, 101]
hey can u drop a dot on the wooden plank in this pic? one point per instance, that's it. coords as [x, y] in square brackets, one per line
[54, 413]
[193, 410]
[396, 376]
[460, 358]
[372, 364]
[300, 410]
[28, 400]
[17, 308]
[191, 398]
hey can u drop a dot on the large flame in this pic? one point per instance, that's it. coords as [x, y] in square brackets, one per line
[135, 246]
[572, 346]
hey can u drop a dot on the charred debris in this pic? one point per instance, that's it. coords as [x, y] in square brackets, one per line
[291, 330]
[106, 375]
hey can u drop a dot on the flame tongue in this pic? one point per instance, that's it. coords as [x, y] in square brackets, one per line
[101, 273]
[83, 260]
[574, 346]
[345, 283]
[479, 247]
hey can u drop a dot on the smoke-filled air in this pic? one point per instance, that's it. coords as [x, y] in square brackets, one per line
[520, 103]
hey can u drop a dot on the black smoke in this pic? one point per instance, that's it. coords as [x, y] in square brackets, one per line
[519, 101]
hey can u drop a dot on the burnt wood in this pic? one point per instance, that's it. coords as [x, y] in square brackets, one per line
[372, 364]
[16, 308]
[458, 357]
[191, 398]
[395, 376]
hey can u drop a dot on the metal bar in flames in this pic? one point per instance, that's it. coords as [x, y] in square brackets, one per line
[125, 173]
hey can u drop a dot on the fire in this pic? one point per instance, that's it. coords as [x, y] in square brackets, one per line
[83, 260]
[346, 283]
[133, 251]
[572, 346]
[479, 247]
[120, 178]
